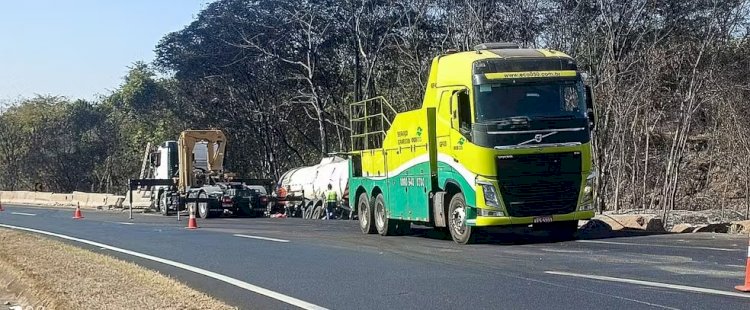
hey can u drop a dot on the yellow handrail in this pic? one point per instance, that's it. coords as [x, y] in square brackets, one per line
[363, 129]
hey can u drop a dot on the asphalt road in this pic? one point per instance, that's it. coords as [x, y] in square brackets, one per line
[333, 265]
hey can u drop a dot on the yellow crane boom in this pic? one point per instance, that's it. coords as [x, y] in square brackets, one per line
[216, 145]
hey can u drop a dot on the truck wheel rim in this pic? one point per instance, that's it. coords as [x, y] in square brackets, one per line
[203, 205]
[164, 206]
[379, 214]
[363, 219]
[457, 220]
[202, 209]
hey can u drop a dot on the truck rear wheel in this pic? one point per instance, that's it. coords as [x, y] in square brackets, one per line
[306, 210]
[202, 211]
[163, 203]
[383, 224]
[203, 208]
[309, 210]
[460, 232]
[316, 213]
[364, 212]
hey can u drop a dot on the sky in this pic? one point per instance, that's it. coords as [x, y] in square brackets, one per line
[81, 48]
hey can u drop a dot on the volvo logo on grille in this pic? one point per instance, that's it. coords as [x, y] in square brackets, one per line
[538, 137]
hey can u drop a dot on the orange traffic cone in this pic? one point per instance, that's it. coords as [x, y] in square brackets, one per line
[746, 287]
[77, 215]
[192, 223]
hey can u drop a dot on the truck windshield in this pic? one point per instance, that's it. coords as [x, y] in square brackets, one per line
[541, 99]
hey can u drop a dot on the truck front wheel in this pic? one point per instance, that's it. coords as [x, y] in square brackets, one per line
[460, 232]
[202, 211]
[364, 212]
[203, 207]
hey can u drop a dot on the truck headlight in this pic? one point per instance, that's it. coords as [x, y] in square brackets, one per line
[587, 199]
[490, 195]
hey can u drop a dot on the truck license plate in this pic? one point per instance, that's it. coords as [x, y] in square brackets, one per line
[543, 219]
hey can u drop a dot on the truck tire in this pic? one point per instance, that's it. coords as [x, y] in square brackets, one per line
[384, 225]
[201, 212]
[365, 214]
[316, 212]
[323, 210]
[460, 232]
[163, 204]
[203, 209]
[307, 210]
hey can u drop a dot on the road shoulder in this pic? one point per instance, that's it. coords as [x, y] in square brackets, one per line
[38, 272]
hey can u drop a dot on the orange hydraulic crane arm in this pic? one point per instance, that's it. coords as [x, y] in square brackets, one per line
[216, 145]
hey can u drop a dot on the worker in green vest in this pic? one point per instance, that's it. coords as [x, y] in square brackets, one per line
[331, 198]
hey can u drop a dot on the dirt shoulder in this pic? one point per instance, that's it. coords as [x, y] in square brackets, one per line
[39, 272]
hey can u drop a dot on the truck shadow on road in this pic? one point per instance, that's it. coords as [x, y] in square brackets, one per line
[527, 235]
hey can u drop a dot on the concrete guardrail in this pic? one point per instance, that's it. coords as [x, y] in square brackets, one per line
[86, 200]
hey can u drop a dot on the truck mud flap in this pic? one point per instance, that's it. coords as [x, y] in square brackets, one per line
[438, 209]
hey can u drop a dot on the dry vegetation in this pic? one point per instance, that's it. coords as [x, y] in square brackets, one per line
[35, 271]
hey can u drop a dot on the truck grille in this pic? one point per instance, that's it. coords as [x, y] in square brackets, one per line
[539, 184]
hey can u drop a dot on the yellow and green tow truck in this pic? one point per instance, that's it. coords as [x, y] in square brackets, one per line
[503, 138]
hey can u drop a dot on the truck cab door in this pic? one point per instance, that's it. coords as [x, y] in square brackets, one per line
[461, 112]
[455, 112]
[453, 103]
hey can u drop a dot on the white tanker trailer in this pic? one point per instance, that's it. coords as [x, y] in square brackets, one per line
[308, 186]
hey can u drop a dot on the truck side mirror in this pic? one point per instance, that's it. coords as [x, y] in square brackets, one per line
[590, 107]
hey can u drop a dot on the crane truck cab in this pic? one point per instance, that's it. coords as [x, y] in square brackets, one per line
[503, 138]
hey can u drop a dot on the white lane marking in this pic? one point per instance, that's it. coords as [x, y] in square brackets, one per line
[595, 293]
[660, 245]
[649, 283]
[260, 238]
[125, 223]
[241, 284]
[24, 214]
